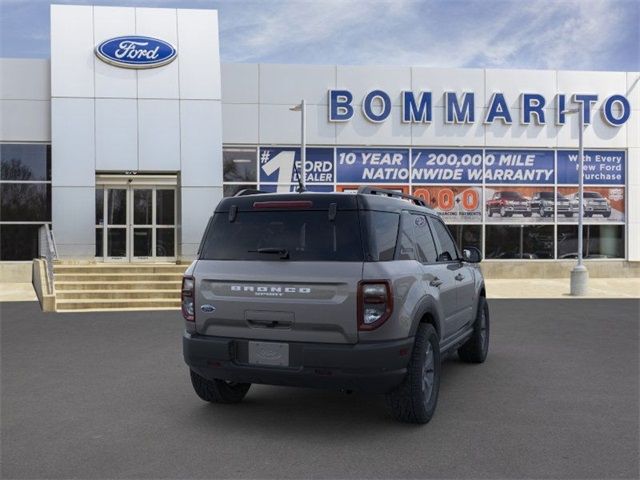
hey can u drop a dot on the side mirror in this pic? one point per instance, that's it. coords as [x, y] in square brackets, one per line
[471, 255]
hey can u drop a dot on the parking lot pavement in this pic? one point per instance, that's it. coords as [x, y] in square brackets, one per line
[106, 395]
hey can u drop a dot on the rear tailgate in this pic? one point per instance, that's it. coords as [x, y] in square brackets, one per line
[278, 300]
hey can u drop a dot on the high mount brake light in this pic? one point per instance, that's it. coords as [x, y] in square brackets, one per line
[375, 303]
[187, 298]
[302, 204]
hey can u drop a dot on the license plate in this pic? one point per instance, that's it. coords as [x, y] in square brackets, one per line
[269, 353]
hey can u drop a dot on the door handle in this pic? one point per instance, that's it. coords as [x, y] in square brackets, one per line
[436, 282]
[459, 277]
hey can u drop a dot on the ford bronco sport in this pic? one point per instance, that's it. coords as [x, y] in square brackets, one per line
[356, 292]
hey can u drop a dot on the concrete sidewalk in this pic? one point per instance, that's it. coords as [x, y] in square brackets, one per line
[559, 288]
[496, 288]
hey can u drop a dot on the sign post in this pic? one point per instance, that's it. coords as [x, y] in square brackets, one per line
[303, 142]
[580, 274]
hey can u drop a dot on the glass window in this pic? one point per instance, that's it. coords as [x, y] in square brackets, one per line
[99, 242]
[25, 162]
[599, 241]
[519, 241]
[99, 206]
[268, 235]
[466, 235]
[239, 164]
[165, 242]
[231, 190]
[117, 206]
[142, 206]
[165, 207]
[18, 242]
[142, 242]
[406, 248]
[25, 202]
[447, 250]
[424, 240]
[381, 234]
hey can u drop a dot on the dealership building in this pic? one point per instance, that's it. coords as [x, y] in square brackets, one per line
[124, 141]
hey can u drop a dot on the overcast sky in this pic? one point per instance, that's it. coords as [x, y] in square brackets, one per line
[548, 34]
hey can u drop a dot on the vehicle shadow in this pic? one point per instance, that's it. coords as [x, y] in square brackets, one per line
[288, 410]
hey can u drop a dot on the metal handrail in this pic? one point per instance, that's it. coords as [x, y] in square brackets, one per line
[47, 250]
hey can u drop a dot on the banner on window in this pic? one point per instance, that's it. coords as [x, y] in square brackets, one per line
[601, 167]
[372, 165]
[282, 165]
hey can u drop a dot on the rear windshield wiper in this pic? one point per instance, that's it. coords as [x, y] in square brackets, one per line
[283, 252]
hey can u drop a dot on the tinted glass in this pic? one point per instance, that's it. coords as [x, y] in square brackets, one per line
[25, 202]
[99, 242]
[142, 206]
[18, 242]
[142, 240]
[117, 242]
[466, 235]
[231, 190]
[165, 242]
[25, 162]
[519, 241]
[165, 207]
[381, 234]
[99, 206]
[305, 235]
[406, 249]
[239, 164]
[448, 250]
[424, 240]
[599, 241]
[117, 206]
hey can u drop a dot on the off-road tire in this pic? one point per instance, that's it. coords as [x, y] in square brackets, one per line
[218, 391]
[476, 348]
[408, 402]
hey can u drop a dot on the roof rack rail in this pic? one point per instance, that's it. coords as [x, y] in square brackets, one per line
[369, 190]
[248, 191]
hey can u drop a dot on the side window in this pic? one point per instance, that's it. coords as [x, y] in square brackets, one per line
[383, 232]
[425, 246]
[448, 251]
[406, 248]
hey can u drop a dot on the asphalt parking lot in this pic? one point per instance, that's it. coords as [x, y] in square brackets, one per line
[106, 395]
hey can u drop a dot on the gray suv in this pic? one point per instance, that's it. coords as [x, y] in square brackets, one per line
[355, 292]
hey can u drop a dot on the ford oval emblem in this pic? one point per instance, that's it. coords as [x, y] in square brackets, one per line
[135, 51]
[207, 308]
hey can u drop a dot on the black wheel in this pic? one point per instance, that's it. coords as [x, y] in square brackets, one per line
[218, 391]
[606, 214]
[568, 215]
[415, 399]
[527, 214]
[476, 348]
[489, 212]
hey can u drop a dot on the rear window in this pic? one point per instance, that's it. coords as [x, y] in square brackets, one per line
[381, 232]
[305, 235]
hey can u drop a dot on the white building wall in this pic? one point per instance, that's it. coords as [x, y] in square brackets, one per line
[110, 119]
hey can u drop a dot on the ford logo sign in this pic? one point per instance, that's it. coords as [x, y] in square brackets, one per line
[207, 308]
[136, 52]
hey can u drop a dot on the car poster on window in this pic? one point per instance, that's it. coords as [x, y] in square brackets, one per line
[507, 204]
[456, 204]
[601, 204]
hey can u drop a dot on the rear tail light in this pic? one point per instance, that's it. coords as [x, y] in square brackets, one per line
[375, 304]
[188, 299]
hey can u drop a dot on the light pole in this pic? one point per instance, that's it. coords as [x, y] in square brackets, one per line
[303, 143]
[579, 273]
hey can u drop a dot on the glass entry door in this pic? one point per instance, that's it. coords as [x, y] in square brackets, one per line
[136, 223]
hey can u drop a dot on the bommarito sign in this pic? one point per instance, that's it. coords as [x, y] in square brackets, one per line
[460, 108]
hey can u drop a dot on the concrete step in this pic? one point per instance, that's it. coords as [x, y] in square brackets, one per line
[128, 268]
[117, 294]
[118, 285]
[111, 277]
[117, 304]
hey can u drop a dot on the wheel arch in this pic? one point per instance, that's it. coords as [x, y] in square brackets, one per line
[428, 313]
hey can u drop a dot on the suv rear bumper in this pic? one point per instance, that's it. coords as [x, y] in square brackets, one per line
[368, 367]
